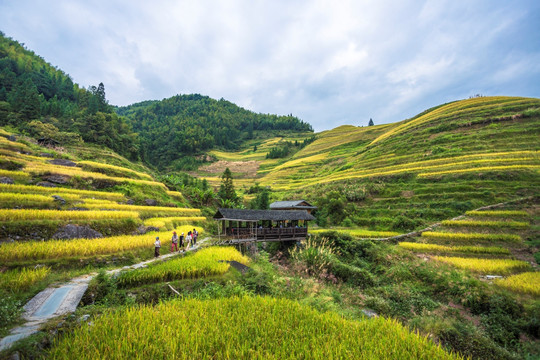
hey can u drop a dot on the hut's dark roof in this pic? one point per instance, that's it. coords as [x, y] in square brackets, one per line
[256, 215]
[297, 204]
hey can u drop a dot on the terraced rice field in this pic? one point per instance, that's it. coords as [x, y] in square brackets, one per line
[359, 233]
[434, 248]
[21, 279]
[500, 232]
[37, 214]
[64, 192]
[143, 211]
[170, 223]
[526, 283]
[487, 266]
[242, 328]
[58, 249]
[206, 262]
[121, 171]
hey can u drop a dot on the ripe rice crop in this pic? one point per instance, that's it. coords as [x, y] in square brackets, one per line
[17, 146]
[202, 263]
[102, 202]
[241, 328]
[170, 222]
[10, 200]
[446, 110]
[22, 279]
[34, 214]
[486, 266]
[15, 175]
[461, 249]
[34, 189]
[176, 194]
[472, 236]
[56, 249]
[125, 171]
[144, 211]
[421, 167]
[498, 213]
[360, 233]
[38, 168]
[491, 224]
[527, 283]
[481, 169]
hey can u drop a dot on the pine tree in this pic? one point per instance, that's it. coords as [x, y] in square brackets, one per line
[226, 190]
[370, 122]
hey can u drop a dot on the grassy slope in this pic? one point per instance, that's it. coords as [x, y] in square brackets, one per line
[447, 160]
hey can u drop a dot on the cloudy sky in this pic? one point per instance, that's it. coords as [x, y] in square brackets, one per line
[327, 62]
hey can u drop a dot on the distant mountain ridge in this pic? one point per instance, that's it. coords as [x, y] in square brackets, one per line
[43, 101]
[174, 130]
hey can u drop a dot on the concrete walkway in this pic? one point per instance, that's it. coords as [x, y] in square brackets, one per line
[57, 301]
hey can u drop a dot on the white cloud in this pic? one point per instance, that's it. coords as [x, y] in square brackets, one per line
[328, 62]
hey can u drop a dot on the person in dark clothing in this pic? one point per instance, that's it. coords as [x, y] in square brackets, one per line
[182, 242]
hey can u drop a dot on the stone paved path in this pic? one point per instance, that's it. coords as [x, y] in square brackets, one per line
[64, 299]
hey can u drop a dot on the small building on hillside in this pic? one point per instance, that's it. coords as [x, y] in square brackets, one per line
[292, 205]
[244, 225]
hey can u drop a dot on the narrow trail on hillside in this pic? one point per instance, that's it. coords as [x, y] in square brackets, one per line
[64, 299]
[433, 226]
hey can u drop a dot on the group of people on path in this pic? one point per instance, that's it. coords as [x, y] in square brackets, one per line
[190, 240]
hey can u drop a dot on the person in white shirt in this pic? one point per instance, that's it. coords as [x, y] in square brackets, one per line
[188, 239]
[157, 245]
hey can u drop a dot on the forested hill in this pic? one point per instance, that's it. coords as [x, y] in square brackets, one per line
[173, 130]
[43, 101]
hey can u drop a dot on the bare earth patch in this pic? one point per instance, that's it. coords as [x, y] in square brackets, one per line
[247, 167]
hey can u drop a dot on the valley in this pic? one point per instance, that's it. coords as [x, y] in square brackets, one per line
[425, 243]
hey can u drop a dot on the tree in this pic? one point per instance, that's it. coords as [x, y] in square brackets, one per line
[226, 189]
[25, 100]
[262, 200]
[370, 122]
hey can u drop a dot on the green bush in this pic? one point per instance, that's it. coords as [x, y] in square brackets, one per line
[404, 223]
[353, 275]
[10, 308]
[468, 341]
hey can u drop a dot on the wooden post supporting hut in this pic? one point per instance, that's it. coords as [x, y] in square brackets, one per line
[242, 225]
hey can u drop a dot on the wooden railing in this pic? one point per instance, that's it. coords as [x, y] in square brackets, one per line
[267, 233]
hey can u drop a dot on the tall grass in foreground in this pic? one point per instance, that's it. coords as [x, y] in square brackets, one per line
[486, 266]
[472, 236]
[448, 249]
[241, 328]
[57, 249]
[202, 263]
[526, 283]
[22, 279]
